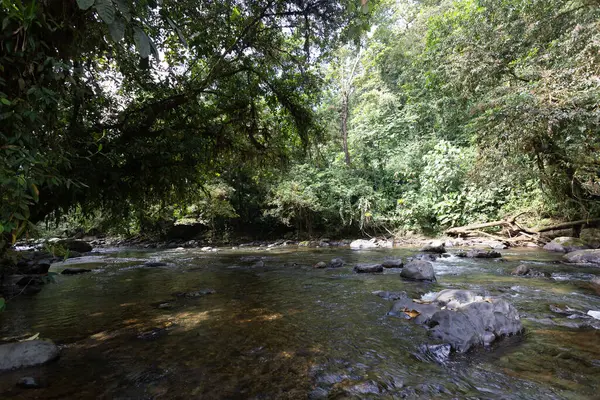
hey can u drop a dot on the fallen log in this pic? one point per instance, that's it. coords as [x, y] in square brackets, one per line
[513, 226]
[467, 229]
[584, 223]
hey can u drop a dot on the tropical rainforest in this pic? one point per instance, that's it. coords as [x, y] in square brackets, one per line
[316, 117]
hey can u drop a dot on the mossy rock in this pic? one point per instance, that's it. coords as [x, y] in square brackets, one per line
[566, 244]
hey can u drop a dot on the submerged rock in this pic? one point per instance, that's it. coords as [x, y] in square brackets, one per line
[336, 263]
[251, 259]
[27, 354]
[153, 334]
[424, 257]
[436, 246]
[521, 270]
[392, 263]
[153, 264]
[320, 265]
[418, 271]
[583, 257]
[437, 352]
[571, 312]
[195, 294]
[75, 271]
[368, 268]
[390, 295]
[524, 270]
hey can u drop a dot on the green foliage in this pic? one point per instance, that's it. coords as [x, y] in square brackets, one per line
[527, 68]
[327, 199]
[56, 249]
[103, 125]
[139, 114]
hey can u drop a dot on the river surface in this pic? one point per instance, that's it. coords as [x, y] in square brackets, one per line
[286, 331]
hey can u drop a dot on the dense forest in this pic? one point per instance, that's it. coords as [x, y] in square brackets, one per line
[317, 117]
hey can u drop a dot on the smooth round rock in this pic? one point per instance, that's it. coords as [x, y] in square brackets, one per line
[27, 354]
[418, 271]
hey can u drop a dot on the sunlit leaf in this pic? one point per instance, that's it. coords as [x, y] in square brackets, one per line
[411, 313]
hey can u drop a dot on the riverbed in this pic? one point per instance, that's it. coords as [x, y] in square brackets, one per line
[281, 329]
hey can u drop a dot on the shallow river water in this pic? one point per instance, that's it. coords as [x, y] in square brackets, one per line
[287, 331]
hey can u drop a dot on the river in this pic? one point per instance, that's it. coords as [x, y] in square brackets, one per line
[284, 330]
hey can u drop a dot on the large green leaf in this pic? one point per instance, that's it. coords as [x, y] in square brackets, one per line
[123, 7]
[153, 49]
[141, 41]
[178, 31]
[85, 4]
[106, 10]
[117, 29]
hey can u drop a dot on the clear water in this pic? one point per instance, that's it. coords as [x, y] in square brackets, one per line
[287, 331]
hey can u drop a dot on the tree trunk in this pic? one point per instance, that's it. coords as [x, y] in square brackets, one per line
[344, 117]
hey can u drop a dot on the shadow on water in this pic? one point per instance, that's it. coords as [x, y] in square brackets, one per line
[281, 329]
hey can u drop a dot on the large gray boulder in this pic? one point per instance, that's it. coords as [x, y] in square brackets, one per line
[27, 354]
[566, 244]
[418, 271]
[474, 324]
[461, 318]
[583, 257]
[368, 268]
